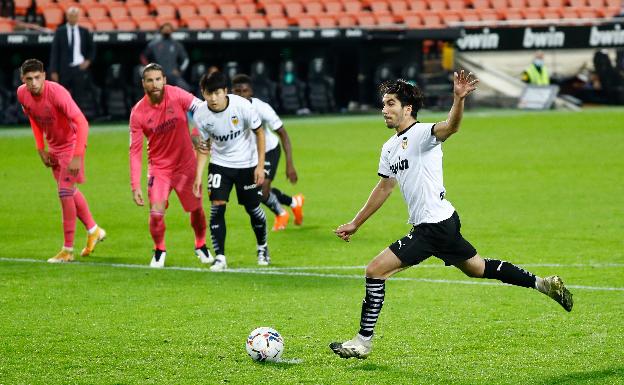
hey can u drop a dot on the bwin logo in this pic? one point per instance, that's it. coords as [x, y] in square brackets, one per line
[401, 165]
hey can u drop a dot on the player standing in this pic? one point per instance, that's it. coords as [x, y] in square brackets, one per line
[161, 115]
[52, 112]
[236, 159]
[272, 197]
[413, 159]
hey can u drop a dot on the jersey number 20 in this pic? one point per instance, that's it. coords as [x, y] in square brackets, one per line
[214, 180]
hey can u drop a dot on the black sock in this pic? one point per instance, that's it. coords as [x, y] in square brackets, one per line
[281, 197]
[258, 223]
[273, 204]
[508, 273]
[371, 306]
[217, 228]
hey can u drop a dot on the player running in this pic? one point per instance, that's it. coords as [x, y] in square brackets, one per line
[52, 112]
[161, 115]
[236, 159]
[272, 197]
[412, 158]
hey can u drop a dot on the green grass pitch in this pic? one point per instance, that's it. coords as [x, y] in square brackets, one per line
[543, 190]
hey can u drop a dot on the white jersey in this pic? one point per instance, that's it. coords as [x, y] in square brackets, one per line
[270, 121]
[230, 131]
[414, 158]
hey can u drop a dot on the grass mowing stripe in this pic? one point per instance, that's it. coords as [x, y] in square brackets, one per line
[272, 271]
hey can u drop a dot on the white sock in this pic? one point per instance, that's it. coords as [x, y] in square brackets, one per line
[365, 338]
[261, 247]
[92, 230]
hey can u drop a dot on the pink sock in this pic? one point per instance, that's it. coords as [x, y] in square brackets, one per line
[82, 210]
[198, 222]
[157, 229]
[69, 216]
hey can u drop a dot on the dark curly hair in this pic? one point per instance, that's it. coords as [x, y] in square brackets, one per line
[407, 93]
[31, 65]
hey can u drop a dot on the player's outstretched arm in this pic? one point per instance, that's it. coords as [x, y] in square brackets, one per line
[463, 85]
[136, 160]
[291, 173]
[202, 158]
[378, 196]
[260, 147]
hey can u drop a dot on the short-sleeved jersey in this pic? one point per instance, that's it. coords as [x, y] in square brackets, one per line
[169, 146]
[230, 132]
[53, 111]
[270, 121]
[414, 158]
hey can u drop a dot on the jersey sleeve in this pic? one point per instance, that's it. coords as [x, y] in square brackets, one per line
[424, 135]
[384, 165]
[269, 117]
[136, 151]
[187, 101]
[66, 106]
[251, 117]
[200, 123]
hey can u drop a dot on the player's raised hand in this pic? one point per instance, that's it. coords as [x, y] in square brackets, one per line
[197, 186]
[291, 173]
[74, 166]
[259, 175]
[345, 231]
[464, 83]
[137, 195]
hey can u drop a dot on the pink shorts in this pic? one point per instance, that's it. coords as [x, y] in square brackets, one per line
[60, 162]
[159, 187]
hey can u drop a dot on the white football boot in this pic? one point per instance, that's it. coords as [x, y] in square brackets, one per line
[204, 255]
[219, 264]
[356, 347]
[158, 259]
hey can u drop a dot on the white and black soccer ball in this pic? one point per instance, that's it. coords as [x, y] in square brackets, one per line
[265, 344]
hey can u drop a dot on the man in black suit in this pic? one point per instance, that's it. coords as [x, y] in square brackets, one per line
[73, 51]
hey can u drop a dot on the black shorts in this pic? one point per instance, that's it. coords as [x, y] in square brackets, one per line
[271, 160]
[442, 240]
[221, 179]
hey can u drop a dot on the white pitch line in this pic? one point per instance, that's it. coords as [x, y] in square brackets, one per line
[274, 271]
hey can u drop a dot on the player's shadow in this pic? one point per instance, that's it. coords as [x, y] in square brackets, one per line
[604, 376]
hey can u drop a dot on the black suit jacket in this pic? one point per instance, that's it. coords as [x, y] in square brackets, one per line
[60, 57]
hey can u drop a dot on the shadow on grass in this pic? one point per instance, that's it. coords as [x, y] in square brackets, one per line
[604, 376]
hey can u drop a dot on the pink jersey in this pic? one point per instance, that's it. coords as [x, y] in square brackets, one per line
[55, 113]
[169, 146]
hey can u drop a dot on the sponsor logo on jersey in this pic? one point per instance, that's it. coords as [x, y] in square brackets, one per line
[223, 138]
[404, 142]
[401, 165]
[235, 120]
[166, 126]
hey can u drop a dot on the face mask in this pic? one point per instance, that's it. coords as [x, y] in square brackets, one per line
[538, 62]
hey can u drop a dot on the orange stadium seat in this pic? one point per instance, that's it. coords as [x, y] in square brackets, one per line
[147, 24]
[313, 8]
[352, 7]
[379, 7]
[167, 11]
[450, 16]
[511, 14]
[217, 22]
[247, 8]
[154, 3]
[346, 21]
[42, 4]
[416, 5]
[412, 20]
[487, 14]
[470, 16]
[257, 21]
[498, 4]
[531, 14]
[132, 2]
[237, 22]
[568, 13]
[104, 25]
[162, 20]
[274, 9]
[207, 9]
[589, 13]
[228, 9]
[431, 20]
[22, 6]
[333, 7]
[53, 16]
[66, 4]
[480, 4]
[294, 9]
[436, 5]
[516, 3]
[398, 7]
[6, 25]
[97, 12]
[88, 24]
[305, 21]
[596, 4]
[554, 3]
[550, 13]
[195, 22]
[365, 19]
[386, 20]
[326, 21]
[187, 10]
[535, 3]
[125, 24]
[577, 3]
[138, 11]
[118, 11]
[456, 5]
[278, 22]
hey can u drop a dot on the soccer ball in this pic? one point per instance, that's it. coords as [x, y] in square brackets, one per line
[265, 344]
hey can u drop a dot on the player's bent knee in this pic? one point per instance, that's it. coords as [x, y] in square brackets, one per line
[158, 207]
[218, 203]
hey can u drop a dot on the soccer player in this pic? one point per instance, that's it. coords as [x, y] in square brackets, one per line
[161, 115]
[229, 123]
[272, 197]
[52, 112]
[412, 158]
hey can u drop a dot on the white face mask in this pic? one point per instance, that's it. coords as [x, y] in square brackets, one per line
[538, 62]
